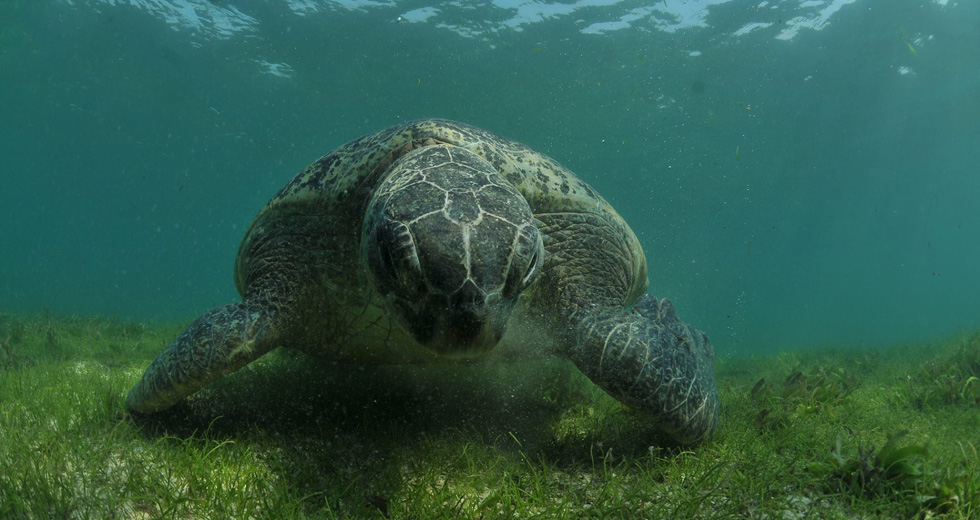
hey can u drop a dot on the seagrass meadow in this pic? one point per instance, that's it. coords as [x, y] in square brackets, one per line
[824, 433]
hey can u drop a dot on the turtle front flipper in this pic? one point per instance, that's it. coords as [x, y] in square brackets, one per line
[218, 343]
[650, 360]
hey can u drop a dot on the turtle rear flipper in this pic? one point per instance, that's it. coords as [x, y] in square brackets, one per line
[218, 343]
[650, 360]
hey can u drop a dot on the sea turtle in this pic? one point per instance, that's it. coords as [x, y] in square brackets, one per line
[427, 241]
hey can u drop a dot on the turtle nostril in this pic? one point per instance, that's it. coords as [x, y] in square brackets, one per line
[468, 298]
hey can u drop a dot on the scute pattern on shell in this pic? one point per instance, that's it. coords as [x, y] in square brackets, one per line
[353, 168]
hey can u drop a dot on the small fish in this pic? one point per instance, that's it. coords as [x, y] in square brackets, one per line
[794, 378]
[736, 153]
[911, 48]
[538, 49]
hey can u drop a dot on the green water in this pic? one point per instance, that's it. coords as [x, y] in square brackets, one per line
[792, 185]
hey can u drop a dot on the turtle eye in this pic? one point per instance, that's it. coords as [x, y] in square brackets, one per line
[406, 269]
[532, 268]
[384, 270]
[387, 261]
[514, 284]
[394, 261]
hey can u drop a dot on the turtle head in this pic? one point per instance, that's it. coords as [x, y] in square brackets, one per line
[450, 245]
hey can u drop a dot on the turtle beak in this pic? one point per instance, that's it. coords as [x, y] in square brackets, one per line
[464, 324]
[466, 332]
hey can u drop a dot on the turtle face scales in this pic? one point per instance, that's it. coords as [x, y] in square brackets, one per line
[451, 246]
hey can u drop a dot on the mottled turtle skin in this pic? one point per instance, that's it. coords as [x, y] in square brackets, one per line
[436, 240]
